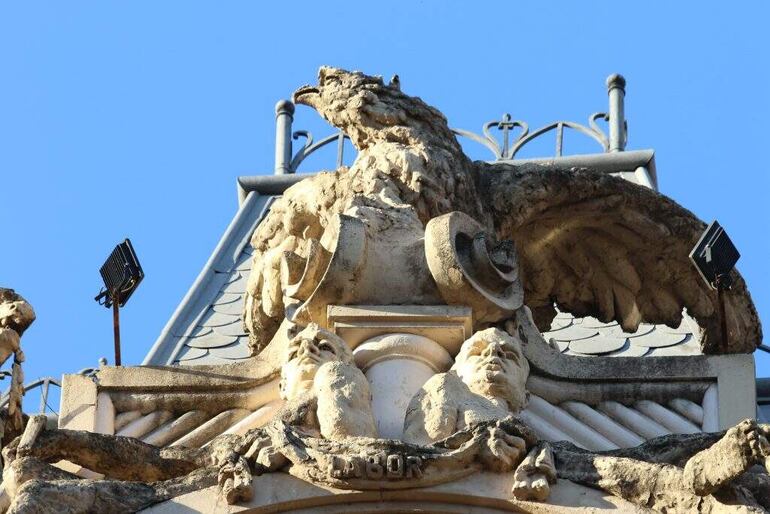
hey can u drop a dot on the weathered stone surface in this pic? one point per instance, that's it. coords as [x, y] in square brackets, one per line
[535, 474]
[319, 369]
[485, 383]
[447, 325]
[366, 464]
[16, 315]
[615, 251]
[678, 473]
[479, 493]
[396, 366]
[10, 343]
[63, 493]
[471, 268]
[409, 169]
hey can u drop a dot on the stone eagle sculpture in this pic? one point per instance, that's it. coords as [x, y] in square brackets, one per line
[588, 243]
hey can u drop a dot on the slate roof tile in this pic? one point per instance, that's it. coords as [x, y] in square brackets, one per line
[201, 331]
[190, 353]
[629, 350]
[689, 346]
[223, 298]
[561, 321]
[218, 319]
[219, 336]
[235, 351]
[597, 345]
[591, 322]
[571, 333]
[232, 308]
[233, 329]
[589, 336]
[236, 285]
[212, 340]
[659, 339]
[644, 329]
[244, 263]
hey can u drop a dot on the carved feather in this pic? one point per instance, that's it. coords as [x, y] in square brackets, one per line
[598, 245]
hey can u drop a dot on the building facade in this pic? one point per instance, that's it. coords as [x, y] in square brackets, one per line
[423, 333]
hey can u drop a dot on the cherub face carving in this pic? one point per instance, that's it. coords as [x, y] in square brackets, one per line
[15, 313]
[491, 363]
[306, 352]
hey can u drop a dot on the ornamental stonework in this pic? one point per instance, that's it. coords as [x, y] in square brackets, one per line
[395, 312]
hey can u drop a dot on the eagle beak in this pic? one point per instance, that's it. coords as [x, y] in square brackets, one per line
[307, 95]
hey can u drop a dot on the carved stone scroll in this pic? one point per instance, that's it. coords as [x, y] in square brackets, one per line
[471, 268]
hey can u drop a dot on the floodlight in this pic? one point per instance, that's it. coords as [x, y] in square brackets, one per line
[121, 273]
[715, 256]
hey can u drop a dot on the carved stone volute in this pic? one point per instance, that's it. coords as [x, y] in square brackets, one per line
[471, 268]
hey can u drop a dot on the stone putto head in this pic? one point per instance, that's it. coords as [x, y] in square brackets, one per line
[15, 313]
[306, 352]
[492, 364]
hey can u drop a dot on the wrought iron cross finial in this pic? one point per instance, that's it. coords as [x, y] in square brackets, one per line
[506, 125]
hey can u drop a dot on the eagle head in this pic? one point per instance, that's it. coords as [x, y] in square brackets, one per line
[367, 109]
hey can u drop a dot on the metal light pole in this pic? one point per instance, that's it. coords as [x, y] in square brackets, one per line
[116, 324]
[121, 273]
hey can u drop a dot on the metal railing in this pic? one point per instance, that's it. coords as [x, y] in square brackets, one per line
[287, 161]
[44, 384]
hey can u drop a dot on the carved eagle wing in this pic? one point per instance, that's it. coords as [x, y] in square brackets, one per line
[594, 244]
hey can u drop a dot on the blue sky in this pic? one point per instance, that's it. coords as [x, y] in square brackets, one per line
[133, 119]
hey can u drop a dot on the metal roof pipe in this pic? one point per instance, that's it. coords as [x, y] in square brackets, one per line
[616, 89]
[284, 116]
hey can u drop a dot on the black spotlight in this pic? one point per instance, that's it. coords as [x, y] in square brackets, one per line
[714, 256]
[121, 273]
